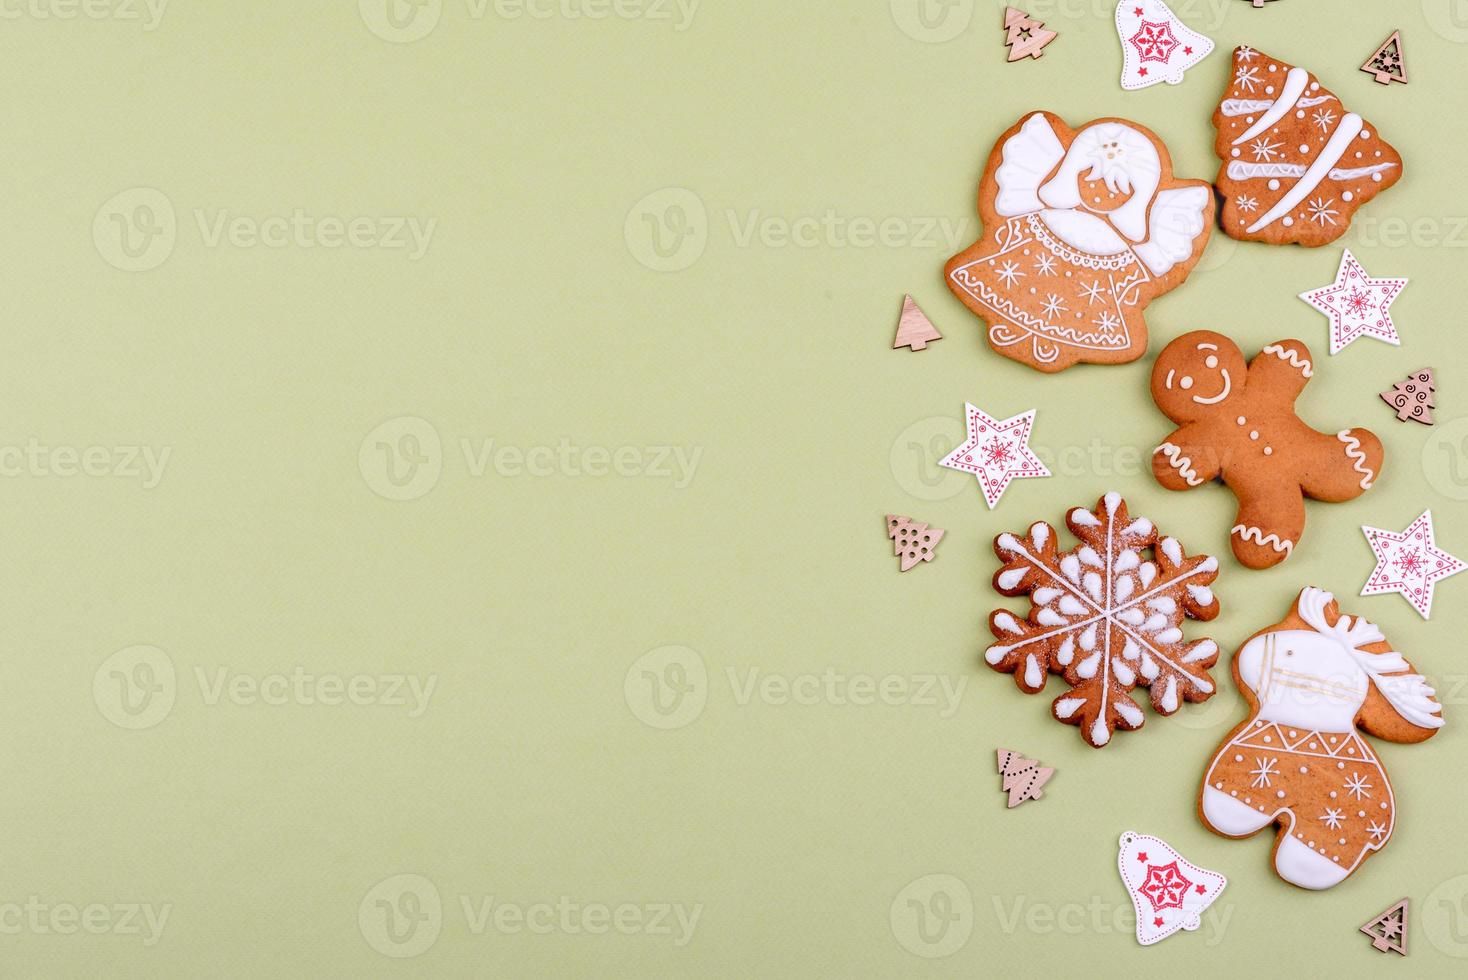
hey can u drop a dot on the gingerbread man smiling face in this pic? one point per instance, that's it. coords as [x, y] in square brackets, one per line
[1238, 423]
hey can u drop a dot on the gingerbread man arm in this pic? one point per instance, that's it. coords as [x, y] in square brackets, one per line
[1185, 459]
[1341, 466]
[1283, 367]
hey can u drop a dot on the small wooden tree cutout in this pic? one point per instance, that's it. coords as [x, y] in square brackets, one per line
[1388, 931]
[1022, 777]
[1025, 36]
[913, 541]
[1389, 63]
[1414, 398]
[914, 329]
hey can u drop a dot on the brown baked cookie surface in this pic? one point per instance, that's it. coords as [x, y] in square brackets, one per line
[1296, 162]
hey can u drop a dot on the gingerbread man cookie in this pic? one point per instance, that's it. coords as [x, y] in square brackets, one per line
[1082, 229]
[1297, 760]
[1238, 423]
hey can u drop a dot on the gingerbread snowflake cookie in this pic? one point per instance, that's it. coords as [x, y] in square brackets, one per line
[1311, 680]
[1296, 163]
[1082, 229]
[1238, 423]
[1107, 616]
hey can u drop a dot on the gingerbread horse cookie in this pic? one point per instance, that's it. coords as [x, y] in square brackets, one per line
[1297, 760]
[1238, 423]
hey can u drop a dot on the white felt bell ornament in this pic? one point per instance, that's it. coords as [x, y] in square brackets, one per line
[1168, 891]
[1155, 45]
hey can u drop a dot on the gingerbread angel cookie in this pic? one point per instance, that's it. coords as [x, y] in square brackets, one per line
[1082, 229]
[1238, 423]
[1297, 760]
[1296, 163]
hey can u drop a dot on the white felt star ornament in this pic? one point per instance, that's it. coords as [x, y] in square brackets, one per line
[997, 452]
[1357, 305]
[1155, 45]
[1409, 562]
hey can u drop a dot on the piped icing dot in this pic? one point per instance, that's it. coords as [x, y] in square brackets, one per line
[1235, 151]
[1268, 451]
[1255, 436]
[1300, 114]
[1304, 148]
[1366, 134]
[1287, 221]
[1238, 758]
[1348, 196]
[1274, 185]
[1314, 86]
[1376, 178]
[1269, 90]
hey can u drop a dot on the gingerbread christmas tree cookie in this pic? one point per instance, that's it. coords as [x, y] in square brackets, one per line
[1296, 162]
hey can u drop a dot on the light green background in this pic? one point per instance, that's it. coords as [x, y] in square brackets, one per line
[533, 319]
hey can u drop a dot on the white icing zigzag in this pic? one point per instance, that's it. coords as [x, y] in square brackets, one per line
[1357, 458]
[1274, 541]
[1301, 364]
[1179, 462]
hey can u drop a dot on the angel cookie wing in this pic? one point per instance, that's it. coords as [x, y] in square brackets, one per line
[1177, 218]
[1029, 156]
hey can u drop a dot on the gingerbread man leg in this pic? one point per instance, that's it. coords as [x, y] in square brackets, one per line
[1341, 466]
[1268, 526]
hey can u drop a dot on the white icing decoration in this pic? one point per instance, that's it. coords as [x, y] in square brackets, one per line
[1202, 651]
[1028, 156]
[1007, 623]
[1250, 533]
[1181, 463]
[1066, 707]
[1010, 578]
[1071, 606]
[1168, 701]
[1173, 550]
[1139, 173]
[1040, 533]
[1350, 125]
[1294, 87]
[1100, 734]
[1357, 458]
[1084, 518]
[1044, 594]
[1130, 712]
[1034, 676]
[1093, 585]
[1301, 364]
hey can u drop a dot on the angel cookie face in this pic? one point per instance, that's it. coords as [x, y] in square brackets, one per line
[1082, 229]
[1296, 163]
